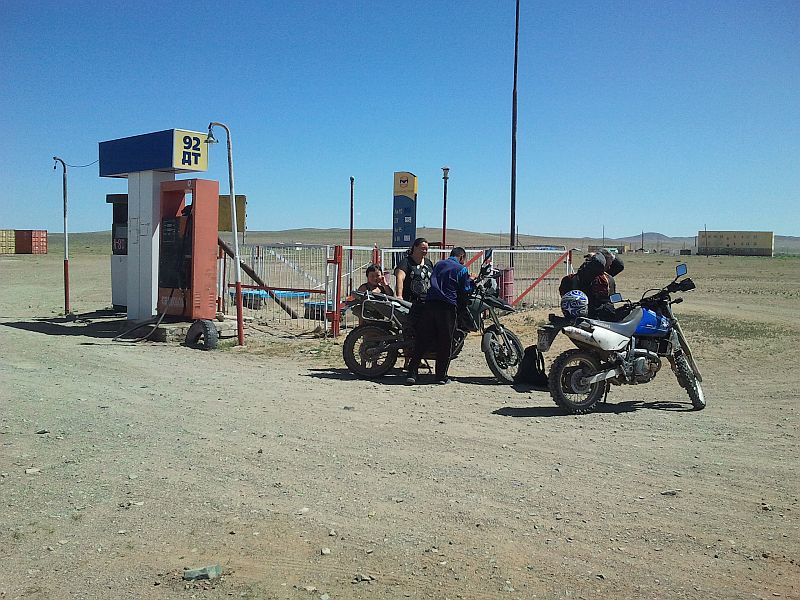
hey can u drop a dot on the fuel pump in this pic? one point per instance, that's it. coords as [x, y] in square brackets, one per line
[187, 262]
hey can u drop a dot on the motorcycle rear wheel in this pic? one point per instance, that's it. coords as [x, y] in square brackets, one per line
[687, 380]
[503, 359]
[564, 382]
[362, 355]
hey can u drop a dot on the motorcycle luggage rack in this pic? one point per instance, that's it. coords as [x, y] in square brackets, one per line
[370, 298]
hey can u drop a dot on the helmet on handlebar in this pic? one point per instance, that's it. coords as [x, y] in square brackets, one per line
[575, 304]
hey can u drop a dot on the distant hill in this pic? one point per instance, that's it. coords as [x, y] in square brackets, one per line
[99, 242]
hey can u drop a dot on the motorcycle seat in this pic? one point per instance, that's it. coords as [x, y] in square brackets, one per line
[625, 327]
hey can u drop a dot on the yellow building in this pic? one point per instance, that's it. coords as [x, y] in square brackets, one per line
[740, 243]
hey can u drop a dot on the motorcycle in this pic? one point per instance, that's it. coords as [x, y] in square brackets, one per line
[371, 349]
[625, 353]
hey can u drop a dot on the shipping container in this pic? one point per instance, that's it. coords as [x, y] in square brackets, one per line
[8, 242]
[31, 241]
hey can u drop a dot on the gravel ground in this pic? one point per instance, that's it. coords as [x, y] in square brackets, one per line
[122, 464]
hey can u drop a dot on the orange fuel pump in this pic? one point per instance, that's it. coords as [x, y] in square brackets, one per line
[187, 262]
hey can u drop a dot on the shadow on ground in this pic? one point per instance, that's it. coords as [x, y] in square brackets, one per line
[101, 324]
[394, 377]
[398, 377]
[616, 408]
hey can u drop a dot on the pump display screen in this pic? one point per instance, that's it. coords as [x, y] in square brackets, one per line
[175, 262]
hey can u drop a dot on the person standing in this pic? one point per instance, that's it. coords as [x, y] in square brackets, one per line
[412, 280]
[450, 281]
[413, 274]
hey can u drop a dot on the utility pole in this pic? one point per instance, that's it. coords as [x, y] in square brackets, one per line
[514, 137]
[67, 310]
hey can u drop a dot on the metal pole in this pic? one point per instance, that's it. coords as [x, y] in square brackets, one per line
[350, 253]
[445, 176]
[67, 310]
[514, 138]
[236, 259]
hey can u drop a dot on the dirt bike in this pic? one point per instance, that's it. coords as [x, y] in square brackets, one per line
[371, 349]
[625, 353]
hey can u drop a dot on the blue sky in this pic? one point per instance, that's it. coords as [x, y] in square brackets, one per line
[655, 116]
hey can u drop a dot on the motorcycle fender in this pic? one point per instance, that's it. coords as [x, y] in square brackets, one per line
[485, 338]
[604, 339]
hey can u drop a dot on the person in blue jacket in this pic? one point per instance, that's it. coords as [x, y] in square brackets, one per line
[450, 282]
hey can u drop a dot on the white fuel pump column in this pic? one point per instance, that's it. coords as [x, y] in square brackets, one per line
[144, 216]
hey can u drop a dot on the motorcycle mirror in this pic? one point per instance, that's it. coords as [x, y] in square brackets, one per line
[615, 298]
[487, 256]
[681, 270]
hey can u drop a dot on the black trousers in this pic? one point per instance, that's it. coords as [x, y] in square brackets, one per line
[435, 330]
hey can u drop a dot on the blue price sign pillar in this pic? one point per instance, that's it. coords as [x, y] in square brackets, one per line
[404, 210]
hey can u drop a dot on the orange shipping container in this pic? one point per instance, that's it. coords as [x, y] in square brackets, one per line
[31, 241]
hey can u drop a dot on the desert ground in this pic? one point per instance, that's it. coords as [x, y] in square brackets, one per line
[122, 464]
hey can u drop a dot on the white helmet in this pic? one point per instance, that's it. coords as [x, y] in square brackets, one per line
[575, 304]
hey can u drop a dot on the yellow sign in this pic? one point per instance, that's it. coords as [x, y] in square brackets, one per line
[225, 212]
[189, 151]
[405, 184]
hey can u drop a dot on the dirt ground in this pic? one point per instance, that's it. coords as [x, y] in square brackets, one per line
[122, 464]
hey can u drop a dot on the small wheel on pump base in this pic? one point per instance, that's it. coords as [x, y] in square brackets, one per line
[202, 334]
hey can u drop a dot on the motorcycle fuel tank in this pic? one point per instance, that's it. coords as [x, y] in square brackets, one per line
[653, 324]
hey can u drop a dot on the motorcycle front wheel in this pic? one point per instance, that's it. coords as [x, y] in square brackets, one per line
[565, 385]
[687, 380]
[365, 354]
[503, 358]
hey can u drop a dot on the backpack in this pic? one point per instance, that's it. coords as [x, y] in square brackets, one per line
[568, 282]
[531, 369]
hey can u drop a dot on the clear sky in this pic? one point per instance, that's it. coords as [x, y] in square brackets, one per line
[655, 116]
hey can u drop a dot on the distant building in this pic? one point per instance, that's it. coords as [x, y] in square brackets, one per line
[739, 243]
[622, 249]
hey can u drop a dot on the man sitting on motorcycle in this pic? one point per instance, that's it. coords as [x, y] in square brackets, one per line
[376, 282]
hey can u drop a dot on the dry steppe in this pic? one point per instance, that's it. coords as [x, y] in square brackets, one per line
[121, 464]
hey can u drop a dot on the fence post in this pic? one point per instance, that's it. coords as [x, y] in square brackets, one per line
[376, 255]
[334, 316]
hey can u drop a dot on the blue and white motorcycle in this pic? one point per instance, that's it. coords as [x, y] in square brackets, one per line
[625, 353]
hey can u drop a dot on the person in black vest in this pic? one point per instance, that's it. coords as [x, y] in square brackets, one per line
[450, 282]
[413, 274]
[412, 280]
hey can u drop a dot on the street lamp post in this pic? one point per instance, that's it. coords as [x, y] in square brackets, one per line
[445, 176]
[238, 271]
[67, 310]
